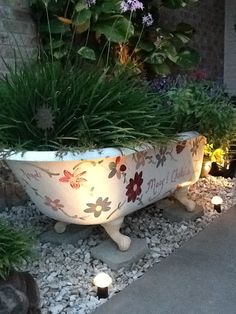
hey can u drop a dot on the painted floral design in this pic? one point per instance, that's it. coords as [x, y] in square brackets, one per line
[161, 156]
[139, 158]
[117, 168]
[75, 179]
[54, 204]
[180, 146]
[101, 205]
[134, 187]
[195, 146]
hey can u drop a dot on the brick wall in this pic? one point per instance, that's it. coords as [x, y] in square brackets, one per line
[230, 46]
[207, 17]
[17, 32]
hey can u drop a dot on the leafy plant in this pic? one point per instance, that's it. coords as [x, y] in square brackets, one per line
[115, 32]
[15, 247]
[204, 107]
[48, 107]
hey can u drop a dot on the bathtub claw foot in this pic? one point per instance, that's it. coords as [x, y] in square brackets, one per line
[113, 230]
[60, 227]
[182, 196]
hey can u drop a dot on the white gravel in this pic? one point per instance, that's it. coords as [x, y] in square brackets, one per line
[65, 272]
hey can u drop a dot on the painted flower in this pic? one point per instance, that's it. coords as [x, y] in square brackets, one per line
[195, 147]
[147, 20]
[75, 179]
[131, 5]
[134, 187]
[180, 146]
[101, 205]
[54, 204]
[161, 157]
[117, 168]
[139, 158]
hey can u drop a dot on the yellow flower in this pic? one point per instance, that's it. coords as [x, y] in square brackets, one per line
[218, 156]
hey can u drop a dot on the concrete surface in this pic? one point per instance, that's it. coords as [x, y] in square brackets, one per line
[108, 253]
[175, 211]
[198, 278]
[72, 235]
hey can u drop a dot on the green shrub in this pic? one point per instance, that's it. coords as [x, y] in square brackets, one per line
[48, 107]
[115, 33]
[15, 247]
[204, 107]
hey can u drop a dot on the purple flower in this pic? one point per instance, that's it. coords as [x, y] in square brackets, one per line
[131, 5]
[90, 2]
[148, 20]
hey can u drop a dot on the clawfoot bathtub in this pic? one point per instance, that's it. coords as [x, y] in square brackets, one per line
[103, 186]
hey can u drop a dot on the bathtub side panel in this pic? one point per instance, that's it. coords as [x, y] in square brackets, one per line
[100, 190]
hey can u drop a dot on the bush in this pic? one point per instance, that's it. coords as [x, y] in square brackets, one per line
[15, 247]
[204, 107]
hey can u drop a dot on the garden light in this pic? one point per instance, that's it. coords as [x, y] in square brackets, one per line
[217, 201]
[102, 281]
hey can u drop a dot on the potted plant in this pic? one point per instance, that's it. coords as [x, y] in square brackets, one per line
[89, 147]
[18, 290]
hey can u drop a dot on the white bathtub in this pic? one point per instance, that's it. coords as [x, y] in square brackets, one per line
[103, 186]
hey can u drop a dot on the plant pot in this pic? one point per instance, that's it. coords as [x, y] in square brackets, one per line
[102, 186]
[19, 293]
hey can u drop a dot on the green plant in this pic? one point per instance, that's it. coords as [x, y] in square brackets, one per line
[46, 106]
[15, 247]
[204, 107]
[115, 32]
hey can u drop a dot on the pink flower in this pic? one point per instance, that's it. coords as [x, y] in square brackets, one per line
[75, 179]
[54, 204]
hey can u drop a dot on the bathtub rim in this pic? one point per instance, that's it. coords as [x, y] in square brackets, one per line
[109, 152]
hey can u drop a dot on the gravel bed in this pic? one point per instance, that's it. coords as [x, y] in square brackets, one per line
[65, 273]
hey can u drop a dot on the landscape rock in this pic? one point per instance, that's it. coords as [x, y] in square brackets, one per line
[72, 265]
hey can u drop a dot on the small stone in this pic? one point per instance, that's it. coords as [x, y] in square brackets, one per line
[56, 308]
